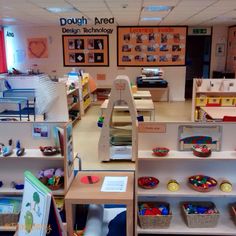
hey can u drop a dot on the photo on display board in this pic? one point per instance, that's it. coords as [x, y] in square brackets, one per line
[151, 58]
[98, 57]
[175, 58]
[90, 57]
[79, 57]
[139, 38]
[176, 38]
[79, 44]
[139, 58]
[71, 44]
[126, 58]
[151, 37]
[163, 38]
[126, 38]
[138, 48]
[163, 59]
[151, 48]
[90, 43]
[98, 44]
[126, 48]
[163, 47]
[71, 57]
[176, 48]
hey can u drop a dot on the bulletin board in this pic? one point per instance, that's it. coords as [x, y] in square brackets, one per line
[85, 50]
[151, 46]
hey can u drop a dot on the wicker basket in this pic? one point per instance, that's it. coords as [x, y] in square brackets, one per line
[155, 222]
[10, 219]
[200, 220]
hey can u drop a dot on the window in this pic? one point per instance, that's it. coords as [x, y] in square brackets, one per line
[3, 63]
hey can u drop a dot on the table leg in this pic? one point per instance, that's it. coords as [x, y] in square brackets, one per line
[20, 110]
[69, 218]
[28, 109]
[129, 219]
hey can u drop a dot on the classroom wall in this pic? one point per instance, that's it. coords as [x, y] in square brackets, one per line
[18, 58]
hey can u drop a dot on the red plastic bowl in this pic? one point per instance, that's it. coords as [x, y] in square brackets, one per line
[160, 151]
[148, 182]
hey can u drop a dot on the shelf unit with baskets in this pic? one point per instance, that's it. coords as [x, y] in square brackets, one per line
[32, 135]
[86, 99]
[179, 165]
[212, 92]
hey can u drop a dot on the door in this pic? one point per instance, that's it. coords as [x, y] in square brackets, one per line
[198, 59]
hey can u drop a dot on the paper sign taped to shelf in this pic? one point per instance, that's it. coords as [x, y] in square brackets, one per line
[147, 127]
[114, 184]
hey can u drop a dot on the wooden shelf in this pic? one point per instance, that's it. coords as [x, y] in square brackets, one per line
[221, 93]
[184, 191]
[71, 91]
[73, 105]
[187, 155]
[177, 226]
[7, 228]
[32, 154]
[13, 192]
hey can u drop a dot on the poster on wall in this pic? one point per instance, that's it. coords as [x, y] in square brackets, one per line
[151, 46]
[37, 47]
[85, 50]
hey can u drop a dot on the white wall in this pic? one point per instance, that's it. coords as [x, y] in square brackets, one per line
[219, 35]
[17, 46]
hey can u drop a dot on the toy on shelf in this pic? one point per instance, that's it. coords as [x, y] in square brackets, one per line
[19, 150]
[199, 208]
[49, 150]
[226, 186]
[160, 151]
[202, 183]
[201, 150]
[7, 150]
[173, 185]
[52, 178]
[153, 209]
[17, 186]
[148, 182]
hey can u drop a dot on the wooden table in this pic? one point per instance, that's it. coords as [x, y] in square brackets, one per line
[141, 105]
[158, 94]
[80, 193]
[217, 113]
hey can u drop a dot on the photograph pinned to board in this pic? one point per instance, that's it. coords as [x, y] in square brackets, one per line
[40, 131]
[190, 135]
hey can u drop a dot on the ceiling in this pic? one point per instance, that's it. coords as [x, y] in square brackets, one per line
[125, 12]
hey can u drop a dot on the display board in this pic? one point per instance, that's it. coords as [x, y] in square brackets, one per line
[151, 46]
[85, 50]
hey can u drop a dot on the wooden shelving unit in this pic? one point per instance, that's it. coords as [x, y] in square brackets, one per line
[73, 101]
[85, 100]
[179, 165]
[210, 89]
[12, 167]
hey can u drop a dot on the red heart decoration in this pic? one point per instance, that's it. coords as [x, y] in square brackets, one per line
[37, 48]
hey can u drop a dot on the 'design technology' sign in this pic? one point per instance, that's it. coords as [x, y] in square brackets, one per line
[83, 22]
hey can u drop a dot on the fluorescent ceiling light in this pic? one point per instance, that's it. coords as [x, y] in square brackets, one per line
[151, 18]
[158, 8]
[8, 19]
[61, 9]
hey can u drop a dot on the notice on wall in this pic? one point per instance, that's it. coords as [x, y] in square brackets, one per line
[37, 47]
[151, 46]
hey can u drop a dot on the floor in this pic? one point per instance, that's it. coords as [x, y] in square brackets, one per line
[86, 133]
